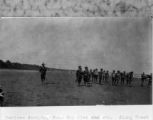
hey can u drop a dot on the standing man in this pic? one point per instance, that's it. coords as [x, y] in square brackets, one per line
[130, 78]
[107, 76]
[43, 71]
[93, 75]
[123, 76]
[79, 75]
[143, 77]
[86, 76]
[118, 77]
[90, 75]
[100, 75]
[96, 75]
[113, 77]
[127, 79]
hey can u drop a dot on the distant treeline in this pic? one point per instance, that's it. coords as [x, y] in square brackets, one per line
[20, 66]
[15, 65]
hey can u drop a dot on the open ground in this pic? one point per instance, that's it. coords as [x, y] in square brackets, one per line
[24, 88]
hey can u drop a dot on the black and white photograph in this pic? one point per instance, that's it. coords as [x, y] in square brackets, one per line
[68, 61]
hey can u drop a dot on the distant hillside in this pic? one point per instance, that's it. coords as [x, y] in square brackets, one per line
[15, 65]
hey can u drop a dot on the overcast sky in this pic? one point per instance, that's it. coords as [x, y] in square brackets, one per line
[110, 43]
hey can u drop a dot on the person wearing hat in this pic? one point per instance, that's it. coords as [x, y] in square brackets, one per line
[43, 71]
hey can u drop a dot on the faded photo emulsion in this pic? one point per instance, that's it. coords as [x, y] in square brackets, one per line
[75, 61]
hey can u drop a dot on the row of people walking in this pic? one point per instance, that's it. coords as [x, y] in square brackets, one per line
[95, 76]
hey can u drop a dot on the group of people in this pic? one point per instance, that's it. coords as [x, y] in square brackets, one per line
[144, 78]
[95, 76]
[103, 76]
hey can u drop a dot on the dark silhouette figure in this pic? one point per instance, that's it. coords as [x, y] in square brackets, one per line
[130, 78]
[43, 71]
[90, 75]
[100, 75]
[96, 75]
[107, 76]
[143, 77]
[123, 77]
[117, 77]
[86, 76]
[113, 77]
[79, 75]
[127, 78]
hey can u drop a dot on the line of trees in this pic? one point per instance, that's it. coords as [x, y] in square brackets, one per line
[15, 65]
[20, 66]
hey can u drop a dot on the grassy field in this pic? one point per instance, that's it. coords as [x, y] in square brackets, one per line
[24, 88]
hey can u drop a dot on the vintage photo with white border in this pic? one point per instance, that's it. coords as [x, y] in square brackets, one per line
[75, 61]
